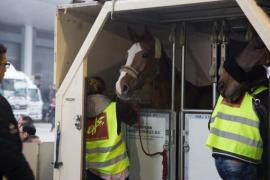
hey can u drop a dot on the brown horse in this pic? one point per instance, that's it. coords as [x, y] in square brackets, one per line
[148, 70]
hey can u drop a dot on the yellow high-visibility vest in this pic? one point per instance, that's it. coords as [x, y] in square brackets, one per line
[236, 129]
[105, 149]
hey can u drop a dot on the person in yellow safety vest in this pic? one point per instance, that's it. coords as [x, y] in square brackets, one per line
[235, 137]
[106, 155]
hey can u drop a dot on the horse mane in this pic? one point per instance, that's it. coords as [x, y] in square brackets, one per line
[166, 62]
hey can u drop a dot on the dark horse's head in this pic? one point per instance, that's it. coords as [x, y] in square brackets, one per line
[244, 71]
[141, 65]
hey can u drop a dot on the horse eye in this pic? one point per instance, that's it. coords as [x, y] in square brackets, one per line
[145, 55]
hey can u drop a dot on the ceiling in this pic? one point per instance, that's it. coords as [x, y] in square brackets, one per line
[37, 13]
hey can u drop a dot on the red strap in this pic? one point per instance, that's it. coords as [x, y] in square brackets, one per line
[165, 164]
[163, 153]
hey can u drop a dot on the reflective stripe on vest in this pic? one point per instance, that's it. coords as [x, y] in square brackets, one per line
[236, 137]
[236, 129]
[107, 155]
[239, 119]
[106, 163]
[105, 149]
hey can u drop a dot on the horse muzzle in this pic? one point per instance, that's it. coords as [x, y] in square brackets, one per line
[221, 87]
[231, 93]
[123, 96]
[123, 93]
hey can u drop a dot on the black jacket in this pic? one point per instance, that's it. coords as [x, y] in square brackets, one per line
[126, 113]
[261, 109]
[12, 162]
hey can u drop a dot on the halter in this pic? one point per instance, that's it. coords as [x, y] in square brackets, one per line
[141, 76]
[130, 71]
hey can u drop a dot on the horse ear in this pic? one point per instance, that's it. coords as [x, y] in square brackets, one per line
[158, 50]
[132, 35]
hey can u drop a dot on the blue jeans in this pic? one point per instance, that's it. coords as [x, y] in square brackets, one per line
[230, 169]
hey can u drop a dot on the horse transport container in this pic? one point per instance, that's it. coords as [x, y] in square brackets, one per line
[92, 39]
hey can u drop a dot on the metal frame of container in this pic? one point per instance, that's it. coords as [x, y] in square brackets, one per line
[71, 52]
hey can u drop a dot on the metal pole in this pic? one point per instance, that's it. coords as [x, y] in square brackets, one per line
[181, 128]
[172, 39]
[213, 69]
[112, 11]
[197, 111]
[173, 117]
[214, 86]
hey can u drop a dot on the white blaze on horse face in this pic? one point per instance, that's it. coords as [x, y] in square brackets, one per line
[134, 49]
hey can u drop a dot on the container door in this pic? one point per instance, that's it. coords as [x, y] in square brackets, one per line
[198, 159]
[156, 133]
[69, 113]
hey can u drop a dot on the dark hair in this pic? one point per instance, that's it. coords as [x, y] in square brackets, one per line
[3, 49]
[95, 85]
[31, 130]
[27, 120]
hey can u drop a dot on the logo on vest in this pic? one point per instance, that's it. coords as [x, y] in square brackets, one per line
[97, 128]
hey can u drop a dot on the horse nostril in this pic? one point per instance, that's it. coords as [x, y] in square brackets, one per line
[221, 87]
[125, 89]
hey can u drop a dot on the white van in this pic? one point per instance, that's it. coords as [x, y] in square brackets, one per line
[35, 102]
[22, 94]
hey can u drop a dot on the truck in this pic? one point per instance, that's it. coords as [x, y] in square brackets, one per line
[91, 39]
[22, 94]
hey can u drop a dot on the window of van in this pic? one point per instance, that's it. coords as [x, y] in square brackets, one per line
[33, 95]
[13, 87]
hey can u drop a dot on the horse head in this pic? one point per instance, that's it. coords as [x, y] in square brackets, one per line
[244, 72]
[142, 64]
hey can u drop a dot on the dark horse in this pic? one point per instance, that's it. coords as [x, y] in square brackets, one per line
[248, 67]
[149, 70]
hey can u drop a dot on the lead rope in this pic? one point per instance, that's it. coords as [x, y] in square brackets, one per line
[161, 153]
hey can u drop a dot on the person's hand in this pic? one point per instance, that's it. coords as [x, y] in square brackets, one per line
[256, 53]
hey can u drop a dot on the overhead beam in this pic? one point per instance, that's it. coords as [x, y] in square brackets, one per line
[135, 5]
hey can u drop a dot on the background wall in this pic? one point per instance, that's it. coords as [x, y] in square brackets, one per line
[27, 29]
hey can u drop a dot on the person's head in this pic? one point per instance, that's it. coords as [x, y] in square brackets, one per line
[95, 85]
[26, 131]
[3, 61]
[25, 120]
